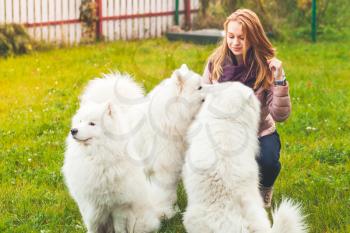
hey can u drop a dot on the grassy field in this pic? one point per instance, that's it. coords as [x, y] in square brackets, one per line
[39, 94]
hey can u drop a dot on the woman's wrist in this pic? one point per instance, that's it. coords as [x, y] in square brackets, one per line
[281, 80]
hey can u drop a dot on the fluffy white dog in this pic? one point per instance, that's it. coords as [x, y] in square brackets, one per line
[123, 159]
[221, 174]
[159, 145]
[112, 193]
[123, 91]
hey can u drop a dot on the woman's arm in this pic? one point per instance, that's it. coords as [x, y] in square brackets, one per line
[278, 101]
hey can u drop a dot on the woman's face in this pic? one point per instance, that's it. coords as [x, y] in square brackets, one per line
[235, 38]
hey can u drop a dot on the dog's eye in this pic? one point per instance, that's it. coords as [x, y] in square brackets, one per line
[92, 123]
[200, 87]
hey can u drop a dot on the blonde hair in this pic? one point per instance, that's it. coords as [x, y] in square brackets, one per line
[260, 46]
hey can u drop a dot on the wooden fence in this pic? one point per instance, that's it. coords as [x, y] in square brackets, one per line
[58, 20]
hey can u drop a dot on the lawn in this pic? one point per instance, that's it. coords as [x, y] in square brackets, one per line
[39, 94]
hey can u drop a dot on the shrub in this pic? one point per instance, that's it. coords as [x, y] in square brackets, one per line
[14, 40]
[88, 17]
[213, 16]
[283, 18]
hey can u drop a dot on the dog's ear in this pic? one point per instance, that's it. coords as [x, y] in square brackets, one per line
[180, 81]
[184, 68]
[181, 72]
[180, 76]
[109, 118]
[110, 110]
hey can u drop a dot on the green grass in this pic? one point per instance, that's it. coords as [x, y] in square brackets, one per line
[39, 94]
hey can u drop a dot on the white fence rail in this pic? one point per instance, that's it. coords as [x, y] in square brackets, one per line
[58, 20]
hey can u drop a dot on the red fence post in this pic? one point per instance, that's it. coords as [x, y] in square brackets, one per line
[99, 19]
[188, 14]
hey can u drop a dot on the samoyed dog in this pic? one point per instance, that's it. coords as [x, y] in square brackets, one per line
[111, 192]
[159, 145]
[220, 173]
[122, 90]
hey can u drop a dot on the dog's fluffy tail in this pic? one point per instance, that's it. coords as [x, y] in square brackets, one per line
[288, 218]
[116, 87]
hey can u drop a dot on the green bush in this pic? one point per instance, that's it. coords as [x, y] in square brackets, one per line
[14, 40]
[212, 17]
[5, 46]
[88, 17]
[283, 19]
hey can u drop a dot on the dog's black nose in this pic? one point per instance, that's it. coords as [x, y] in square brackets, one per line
[74, 131]
[203, 100]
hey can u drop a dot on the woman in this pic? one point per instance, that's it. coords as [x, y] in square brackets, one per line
[246, 55]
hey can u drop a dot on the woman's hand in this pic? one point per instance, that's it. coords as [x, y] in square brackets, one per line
[275, 66]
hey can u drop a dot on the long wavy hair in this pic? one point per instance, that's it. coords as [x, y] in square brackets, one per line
[260, 49]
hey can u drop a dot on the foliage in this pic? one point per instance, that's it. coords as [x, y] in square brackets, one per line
[14, 40]
[212, 17]
[88, 16]
[284, 19]
[39, 95]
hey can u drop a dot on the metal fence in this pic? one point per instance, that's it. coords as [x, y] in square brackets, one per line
[58, 20]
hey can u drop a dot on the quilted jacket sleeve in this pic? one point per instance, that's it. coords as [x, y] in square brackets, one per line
[278, 101]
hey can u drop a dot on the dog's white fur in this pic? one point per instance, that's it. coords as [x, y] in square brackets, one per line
[221, 174]
[121, 90]
[107, 165]
[116, 87]
[159, 145]
[111, 192]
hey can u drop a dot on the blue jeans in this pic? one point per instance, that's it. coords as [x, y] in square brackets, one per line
[269, 164]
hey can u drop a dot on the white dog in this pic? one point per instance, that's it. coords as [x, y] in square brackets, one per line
[111, 192]
[159, 145]
[221, 174]
[123, 91]
[107, 181]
